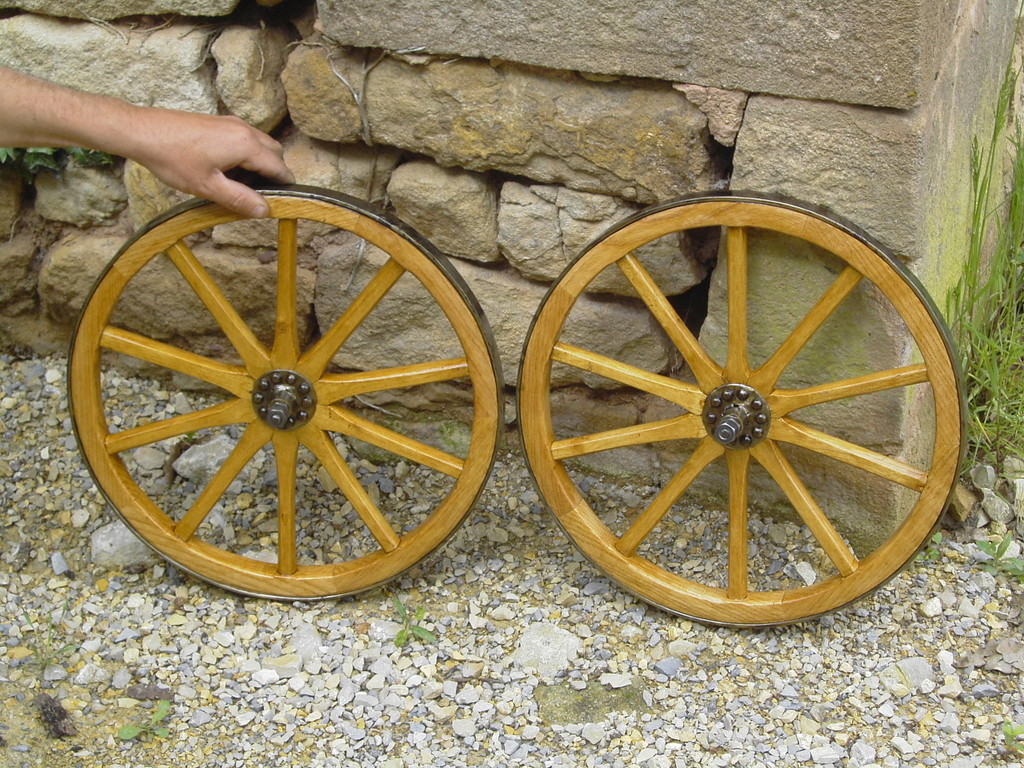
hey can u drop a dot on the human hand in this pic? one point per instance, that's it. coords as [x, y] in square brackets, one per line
[192, 152]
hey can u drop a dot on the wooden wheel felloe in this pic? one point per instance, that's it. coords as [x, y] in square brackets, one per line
[793, 465]
[318, 489]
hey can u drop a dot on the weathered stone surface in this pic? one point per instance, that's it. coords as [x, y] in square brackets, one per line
[69, 271]
[878, 53]
[723, 108]
[81, 196]
[158, 302]
[639, 142]
[352, 169]
[16, 257]
[408, 326]
[163, 67]
[541, 229]
[619, 328]
[861, 163]
[457, 211]
[147, 195]
[118, 9]
[249, 65]
[10, 200]
[319, 101]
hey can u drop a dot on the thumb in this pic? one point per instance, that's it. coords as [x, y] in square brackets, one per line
[238, 198]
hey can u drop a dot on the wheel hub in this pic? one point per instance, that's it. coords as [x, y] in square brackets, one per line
[736, 416]
[284, 399]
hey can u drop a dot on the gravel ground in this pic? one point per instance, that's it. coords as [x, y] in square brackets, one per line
[922, 673]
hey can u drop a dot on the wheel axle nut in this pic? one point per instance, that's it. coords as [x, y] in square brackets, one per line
[284, 399]
[728, 430]
[736, 416]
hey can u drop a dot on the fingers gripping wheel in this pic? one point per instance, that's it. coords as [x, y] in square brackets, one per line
[270, 453]
[786, 458]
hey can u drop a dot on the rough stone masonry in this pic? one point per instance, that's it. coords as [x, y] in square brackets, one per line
[512, 134]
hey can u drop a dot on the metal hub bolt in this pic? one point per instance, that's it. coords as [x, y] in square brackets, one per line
[736, 416]
[283, 399]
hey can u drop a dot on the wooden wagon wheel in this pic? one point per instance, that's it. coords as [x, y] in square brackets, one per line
[262, 521]
[739, 427]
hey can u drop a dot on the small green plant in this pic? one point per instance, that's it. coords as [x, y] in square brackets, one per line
[29, 161]
[1012, 734]
[1000, 563]
[44, 641]
[411, 625]
[931, 551]
[150, 728]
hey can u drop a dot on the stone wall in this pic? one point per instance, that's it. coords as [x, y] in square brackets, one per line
[511, 133]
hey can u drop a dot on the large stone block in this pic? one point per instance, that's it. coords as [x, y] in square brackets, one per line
[81, 196]
[456, 210]
[108, 10]
[249, 65]
[863, 52]
[636, 141]
[904, 177]
[321, 103]
[165, 67]
[541, 229]
[861, 163]
[69, 271]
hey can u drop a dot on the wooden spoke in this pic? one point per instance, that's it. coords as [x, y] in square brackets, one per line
[764, 378]
[315, 361]
[334, 418]
[325, 450]
[286, 455]
[740, 589]
[771, 458]
[679, 392]
[174, 518]
[230, 377]
[736, 367]
[708, 374]
[687, 426]
[239, 334]
[229, 412]
[255, 437]
[706, 452]
[783, 401]
[286, 328]
[334, 387]
[738, 464]
[794, 432]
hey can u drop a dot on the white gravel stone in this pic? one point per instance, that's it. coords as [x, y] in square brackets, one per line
[115, 546]
[615, 680]
[547, 648]
[464, 727]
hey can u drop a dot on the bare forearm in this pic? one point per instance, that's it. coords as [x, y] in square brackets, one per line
[40, 114]
[188, 151]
